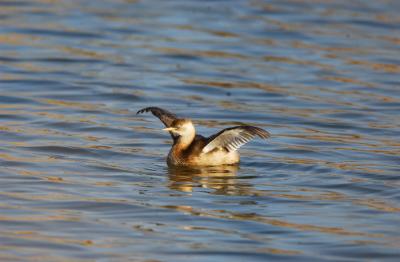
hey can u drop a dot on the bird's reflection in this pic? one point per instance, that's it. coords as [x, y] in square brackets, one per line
[221, 179]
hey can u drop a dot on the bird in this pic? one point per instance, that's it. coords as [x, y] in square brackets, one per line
[191, 149]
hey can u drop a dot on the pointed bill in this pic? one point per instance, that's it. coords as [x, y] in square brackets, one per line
[169, 129]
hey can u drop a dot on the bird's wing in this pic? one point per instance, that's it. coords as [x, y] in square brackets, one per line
[165, 116]
[233, 138]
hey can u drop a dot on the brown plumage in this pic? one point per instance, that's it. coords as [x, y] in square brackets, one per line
[190, 149]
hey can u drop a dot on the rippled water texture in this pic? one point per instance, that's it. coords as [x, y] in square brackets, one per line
[83, 178]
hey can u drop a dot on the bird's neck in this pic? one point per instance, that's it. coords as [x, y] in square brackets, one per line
[184, 141]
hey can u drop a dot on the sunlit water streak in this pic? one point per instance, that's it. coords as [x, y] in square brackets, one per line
[83, 178]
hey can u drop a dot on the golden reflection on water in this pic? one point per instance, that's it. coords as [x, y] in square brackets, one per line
[302, 92]
[35, 258]
[224, 214]
[222, 179]
[18, 39]
[250, 236]
[30, 159]
[389, 68]
[343, 79]
[40, 237]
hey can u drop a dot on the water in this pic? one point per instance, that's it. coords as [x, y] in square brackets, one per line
[83, 178]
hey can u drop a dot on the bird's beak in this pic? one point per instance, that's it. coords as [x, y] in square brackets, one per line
[169, 129]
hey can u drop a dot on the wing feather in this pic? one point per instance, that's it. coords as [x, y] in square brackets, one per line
[231, 139]
[165, 116]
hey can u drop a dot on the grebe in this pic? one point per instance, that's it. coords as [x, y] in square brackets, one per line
[190, 149]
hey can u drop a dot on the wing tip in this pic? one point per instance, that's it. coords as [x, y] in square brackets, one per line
[261, 133]
[144, 110]
[264, 134]
[151, 109]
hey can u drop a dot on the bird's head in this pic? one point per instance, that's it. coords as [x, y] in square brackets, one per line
[181, 127]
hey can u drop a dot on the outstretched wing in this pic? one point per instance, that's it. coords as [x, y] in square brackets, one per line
[233, 138]
[165, 116]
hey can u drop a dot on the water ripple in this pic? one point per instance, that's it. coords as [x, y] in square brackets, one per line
[320, 76]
